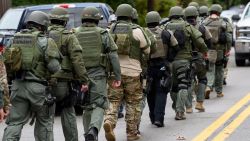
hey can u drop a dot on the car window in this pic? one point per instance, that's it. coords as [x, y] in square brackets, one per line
[11, 19]
[247, 14]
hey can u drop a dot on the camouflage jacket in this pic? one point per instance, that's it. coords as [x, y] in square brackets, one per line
[5, 101]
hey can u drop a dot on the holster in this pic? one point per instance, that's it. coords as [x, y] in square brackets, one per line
[49, 99]
[77, 96]
[148, 85]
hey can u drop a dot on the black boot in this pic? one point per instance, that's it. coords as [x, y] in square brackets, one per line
[159, 124]
[92, 135]
[120, 115]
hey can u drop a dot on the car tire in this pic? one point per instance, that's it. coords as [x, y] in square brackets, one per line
[240, 62]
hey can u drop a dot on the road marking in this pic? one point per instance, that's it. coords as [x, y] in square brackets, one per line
[221, 120]
[226, 132]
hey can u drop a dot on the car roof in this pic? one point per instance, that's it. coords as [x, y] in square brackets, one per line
[50, 6]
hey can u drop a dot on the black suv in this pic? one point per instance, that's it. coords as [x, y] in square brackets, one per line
[15, 18]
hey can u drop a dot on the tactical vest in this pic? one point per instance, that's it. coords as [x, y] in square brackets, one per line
[160, 48]
[122, 33]
[60, 36]
[181, 34]
[90, 38]
[215, 28]
[25, 54]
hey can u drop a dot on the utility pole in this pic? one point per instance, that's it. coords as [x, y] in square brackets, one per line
[150, 5]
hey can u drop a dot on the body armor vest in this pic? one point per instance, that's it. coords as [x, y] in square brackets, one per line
[160, 48]
[60, 35]
[122, 33]
[91, 41]
[25, 54]
[215, 28]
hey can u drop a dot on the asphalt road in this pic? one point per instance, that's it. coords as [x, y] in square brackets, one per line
[225, 118]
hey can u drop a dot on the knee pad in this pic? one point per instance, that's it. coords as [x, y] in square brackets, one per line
[182, 80]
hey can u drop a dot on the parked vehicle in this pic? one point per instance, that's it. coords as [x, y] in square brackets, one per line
[242, 41]
[15, 18]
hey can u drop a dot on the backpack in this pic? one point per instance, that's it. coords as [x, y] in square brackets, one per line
[179, 33]
[216, 29]
[23, 52]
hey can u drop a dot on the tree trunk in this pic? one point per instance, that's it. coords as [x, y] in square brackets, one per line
[4, 5]
[150, 5]
[227, 4]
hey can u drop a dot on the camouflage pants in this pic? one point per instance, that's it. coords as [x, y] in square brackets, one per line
[4, 84]
[131, 92]
[179, 92]
[27, 97]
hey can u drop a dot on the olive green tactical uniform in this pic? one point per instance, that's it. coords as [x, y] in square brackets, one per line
[130, 52]
[39, 57]
[198, 61]
[181, 64]
[98, 46]
[216, 54]
[73, 69]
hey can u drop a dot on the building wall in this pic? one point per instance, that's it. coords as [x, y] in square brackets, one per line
[4, 5]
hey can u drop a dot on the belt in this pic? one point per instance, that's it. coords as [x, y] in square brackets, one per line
[37, 81]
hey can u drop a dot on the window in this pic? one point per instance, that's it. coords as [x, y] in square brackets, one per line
[11, 19]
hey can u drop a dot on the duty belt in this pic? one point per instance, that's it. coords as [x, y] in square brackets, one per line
[37, 81]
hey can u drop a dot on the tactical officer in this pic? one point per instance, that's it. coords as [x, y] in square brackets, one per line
[159, 74]
[120, 113]
[72, 74]
[203, 13]
[100, 53]
[221, 44]
[186, 36]
[132, 43]
[4, 90]
[195, 4]
[31, 57]
[198, 61]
